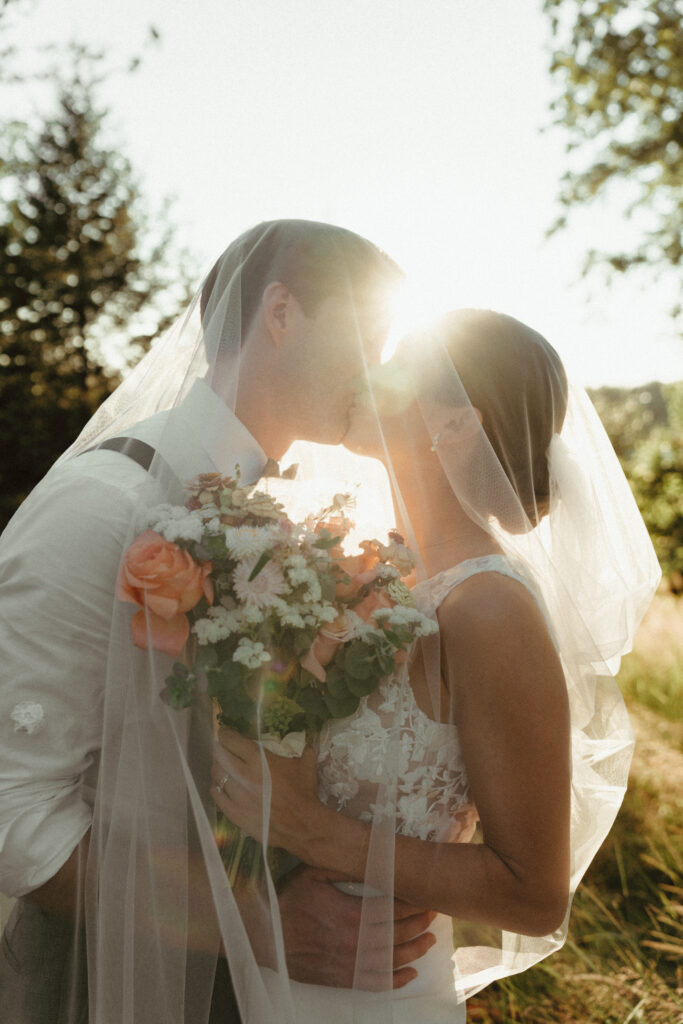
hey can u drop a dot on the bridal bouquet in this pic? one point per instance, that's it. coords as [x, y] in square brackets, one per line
[276, 624]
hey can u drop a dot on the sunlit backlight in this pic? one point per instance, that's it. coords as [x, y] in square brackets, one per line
[417, 303]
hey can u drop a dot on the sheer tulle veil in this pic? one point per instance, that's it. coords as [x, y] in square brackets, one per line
[521, 450]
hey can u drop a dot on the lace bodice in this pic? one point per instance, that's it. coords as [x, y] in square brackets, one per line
[433, 799]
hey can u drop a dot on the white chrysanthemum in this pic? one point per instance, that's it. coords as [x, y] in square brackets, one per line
[299, 575]
[253, 614]
[386, 572]
[304, 577]
[189, 527]
[158, 515]
[264, 589]
[289, 615]
[325, 612]
[251, 653]
[206, 631]
[219, 624]
[403, 615]
[248, 541]
[295, 561]
[362, 630]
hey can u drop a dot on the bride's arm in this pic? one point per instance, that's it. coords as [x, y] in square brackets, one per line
[510, 704]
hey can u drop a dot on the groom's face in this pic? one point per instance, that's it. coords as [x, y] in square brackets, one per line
[335, 346]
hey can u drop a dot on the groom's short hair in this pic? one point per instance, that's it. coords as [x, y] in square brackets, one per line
[314, 261]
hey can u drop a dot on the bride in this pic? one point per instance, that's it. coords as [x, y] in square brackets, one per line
[481, 777]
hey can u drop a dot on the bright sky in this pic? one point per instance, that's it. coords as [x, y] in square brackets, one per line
[414, 122]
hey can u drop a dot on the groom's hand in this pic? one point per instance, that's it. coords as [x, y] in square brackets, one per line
[321, 924]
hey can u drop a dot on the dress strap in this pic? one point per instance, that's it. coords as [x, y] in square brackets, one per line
[441, 585]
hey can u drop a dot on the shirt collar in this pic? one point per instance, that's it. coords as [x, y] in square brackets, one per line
[201, 435]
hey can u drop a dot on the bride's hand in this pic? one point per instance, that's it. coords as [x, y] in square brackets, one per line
[239, 786]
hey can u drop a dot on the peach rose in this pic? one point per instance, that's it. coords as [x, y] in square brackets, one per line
[374, 600]
[324, 647]
[361, 569]
[165, 582]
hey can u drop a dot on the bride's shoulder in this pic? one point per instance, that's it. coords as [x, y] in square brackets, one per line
[490, 616]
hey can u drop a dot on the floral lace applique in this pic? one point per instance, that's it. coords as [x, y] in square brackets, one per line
[28, 716]
[433, 799]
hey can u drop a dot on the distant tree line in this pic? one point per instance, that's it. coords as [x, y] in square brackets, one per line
[645, 426]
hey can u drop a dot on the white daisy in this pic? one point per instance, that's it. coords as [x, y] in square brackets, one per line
[264, 589]
[248, 541]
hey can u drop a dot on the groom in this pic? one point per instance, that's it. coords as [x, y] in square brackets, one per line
[299, 354]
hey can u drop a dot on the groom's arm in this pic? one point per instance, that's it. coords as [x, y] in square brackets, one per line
[58, 562]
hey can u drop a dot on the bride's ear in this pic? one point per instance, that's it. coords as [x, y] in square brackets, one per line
[276, 308]
[459, 425]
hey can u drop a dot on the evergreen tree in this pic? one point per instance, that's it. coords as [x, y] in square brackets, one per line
[80, 265]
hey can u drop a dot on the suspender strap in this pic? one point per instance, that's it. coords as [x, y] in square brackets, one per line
[138, 451]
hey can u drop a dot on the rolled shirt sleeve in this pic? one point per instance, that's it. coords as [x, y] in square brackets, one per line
[59, 560]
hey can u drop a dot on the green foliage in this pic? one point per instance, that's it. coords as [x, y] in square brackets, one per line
[645, 425]
[619, 65]
[622, 958]
[181, 687]
[80, 266]
[630, 414]
[656, 477]
[658, 687]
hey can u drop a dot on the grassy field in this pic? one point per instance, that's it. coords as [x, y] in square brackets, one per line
[623, 961]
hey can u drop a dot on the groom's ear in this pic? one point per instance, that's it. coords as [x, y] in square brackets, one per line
[276, 303]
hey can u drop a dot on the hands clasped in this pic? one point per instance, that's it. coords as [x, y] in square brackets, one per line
[320, 924]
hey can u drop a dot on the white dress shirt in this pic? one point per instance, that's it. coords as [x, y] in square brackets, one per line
[59, 558]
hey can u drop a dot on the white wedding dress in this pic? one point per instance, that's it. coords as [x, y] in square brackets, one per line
[433, 803]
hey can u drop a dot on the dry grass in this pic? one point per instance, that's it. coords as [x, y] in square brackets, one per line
[623, 960]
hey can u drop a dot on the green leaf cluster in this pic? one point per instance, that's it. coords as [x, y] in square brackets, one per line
[181, 687]
[645, 426]
[619, 68]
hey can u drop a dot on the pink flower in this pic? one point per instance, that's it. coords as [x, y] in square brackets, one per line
[374, 600]
[165, 582]
[361, 569]
[264, 589]
[324, 648]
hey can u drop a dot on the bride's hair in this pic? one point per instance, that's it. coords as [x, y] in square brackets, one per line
[314, 260]
[516, 379]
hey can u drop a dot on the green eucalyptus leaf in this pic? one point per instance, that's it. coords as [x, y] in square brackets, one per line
[363, 687]
[358, 660]
[311, 700]
[336, 682]
[341, 707]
